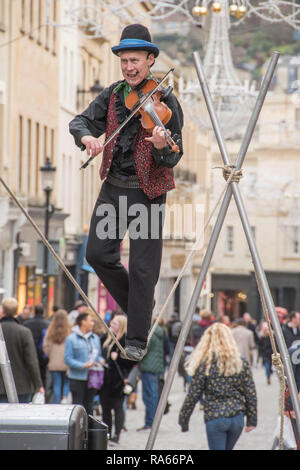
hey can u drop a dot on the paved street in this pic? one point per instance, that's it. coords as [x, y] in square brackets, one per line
[171, 437]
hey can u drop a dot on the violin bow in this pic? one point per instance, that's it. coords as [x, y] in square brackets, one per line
[133, 112]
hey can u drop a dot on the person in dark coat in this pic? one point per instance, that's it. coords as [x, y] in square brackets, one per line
[199, 328]
[115, 376]
[38, 326]
[265, 350]
[291, 329]
[21, 353]
[294, 352]
[173, 328]
[152, 367]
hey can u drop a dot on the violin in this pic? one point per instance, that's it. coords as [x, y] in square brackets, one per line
[138, 104]
[154, 112]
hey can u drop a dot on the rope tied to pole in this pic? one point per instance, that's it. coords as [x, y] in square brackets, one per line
[276, 362]
[230, 172]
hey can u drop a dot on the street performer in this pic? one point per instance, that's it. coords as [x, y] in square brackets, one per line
[137, 172]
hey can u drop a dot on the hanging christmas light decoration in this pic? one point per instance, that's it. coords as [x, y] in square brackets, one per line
[97, 18]
[100, 15]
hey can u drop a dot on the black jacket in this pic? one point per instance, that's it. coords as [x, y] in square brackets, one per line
[289, 335]
[22, 356]
[116, 371]
[92, 121]
[36, 325]
[265, 348]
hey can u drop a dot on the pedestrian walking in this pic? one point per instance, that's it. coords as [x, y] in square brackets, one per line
[251, 324]
[38, 326]
[22, 355]
[166, 343]
[200, 326]
[173, 327]
[83, 354]
[137, 169]
[152, 367]
[25, 315]
[79, 307]
[244, 339]
[54, 348]
[225, 379]
[115, 377]
[265, 350]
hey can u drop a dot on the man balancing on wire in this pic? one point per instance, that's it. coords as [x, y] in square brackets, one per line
[137, 172]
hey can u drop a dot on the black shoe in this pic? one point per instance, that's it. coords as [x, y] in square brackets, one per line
[134, 353]
[114, 441]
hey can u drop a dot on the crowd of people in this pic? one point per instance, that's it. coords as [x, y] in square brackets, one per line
[70, 358]
[217, 361]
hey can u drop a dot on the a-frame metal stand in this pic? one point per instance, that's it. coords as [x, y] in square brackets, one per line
[234, 190]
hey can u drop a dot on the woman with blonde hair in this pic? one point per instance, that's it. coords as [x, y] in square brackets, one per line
[225, 379]
[115, 375]
[54, 348]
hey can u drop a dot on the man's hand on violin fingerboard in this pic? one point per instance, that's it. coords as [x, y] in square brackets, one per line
[158, 138]
[92, 144]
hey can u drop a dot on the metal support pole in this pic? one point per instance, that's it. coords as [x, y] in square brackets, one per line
[214, 236]
[251, 243]
[6, 372]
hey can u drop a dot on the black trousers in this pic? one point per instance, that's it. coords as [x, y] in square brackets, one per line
[109, 403]
[82, 395]
[116, 210]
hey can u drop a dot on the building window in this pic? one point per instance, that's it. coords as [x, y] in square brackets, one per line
[37, 157]
[22, 16]
[2, 15]
[20, 152]
[52, 143]
[39, 18]
[292, 77]
[297, 118]
[31, 18]
[29, 150]
[295, 241]
[45, 142]
[251, 179]
[54, 28]
[229, 239]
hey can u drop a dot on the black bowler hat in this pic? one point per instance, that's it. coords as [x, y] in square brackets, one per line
[136, 37]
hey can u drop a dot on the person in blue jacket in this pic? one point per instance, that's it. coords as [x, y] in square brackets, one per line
[82, 354]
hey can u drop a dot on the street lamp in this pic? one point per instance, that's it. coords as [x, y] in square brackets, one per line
[48, 175]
